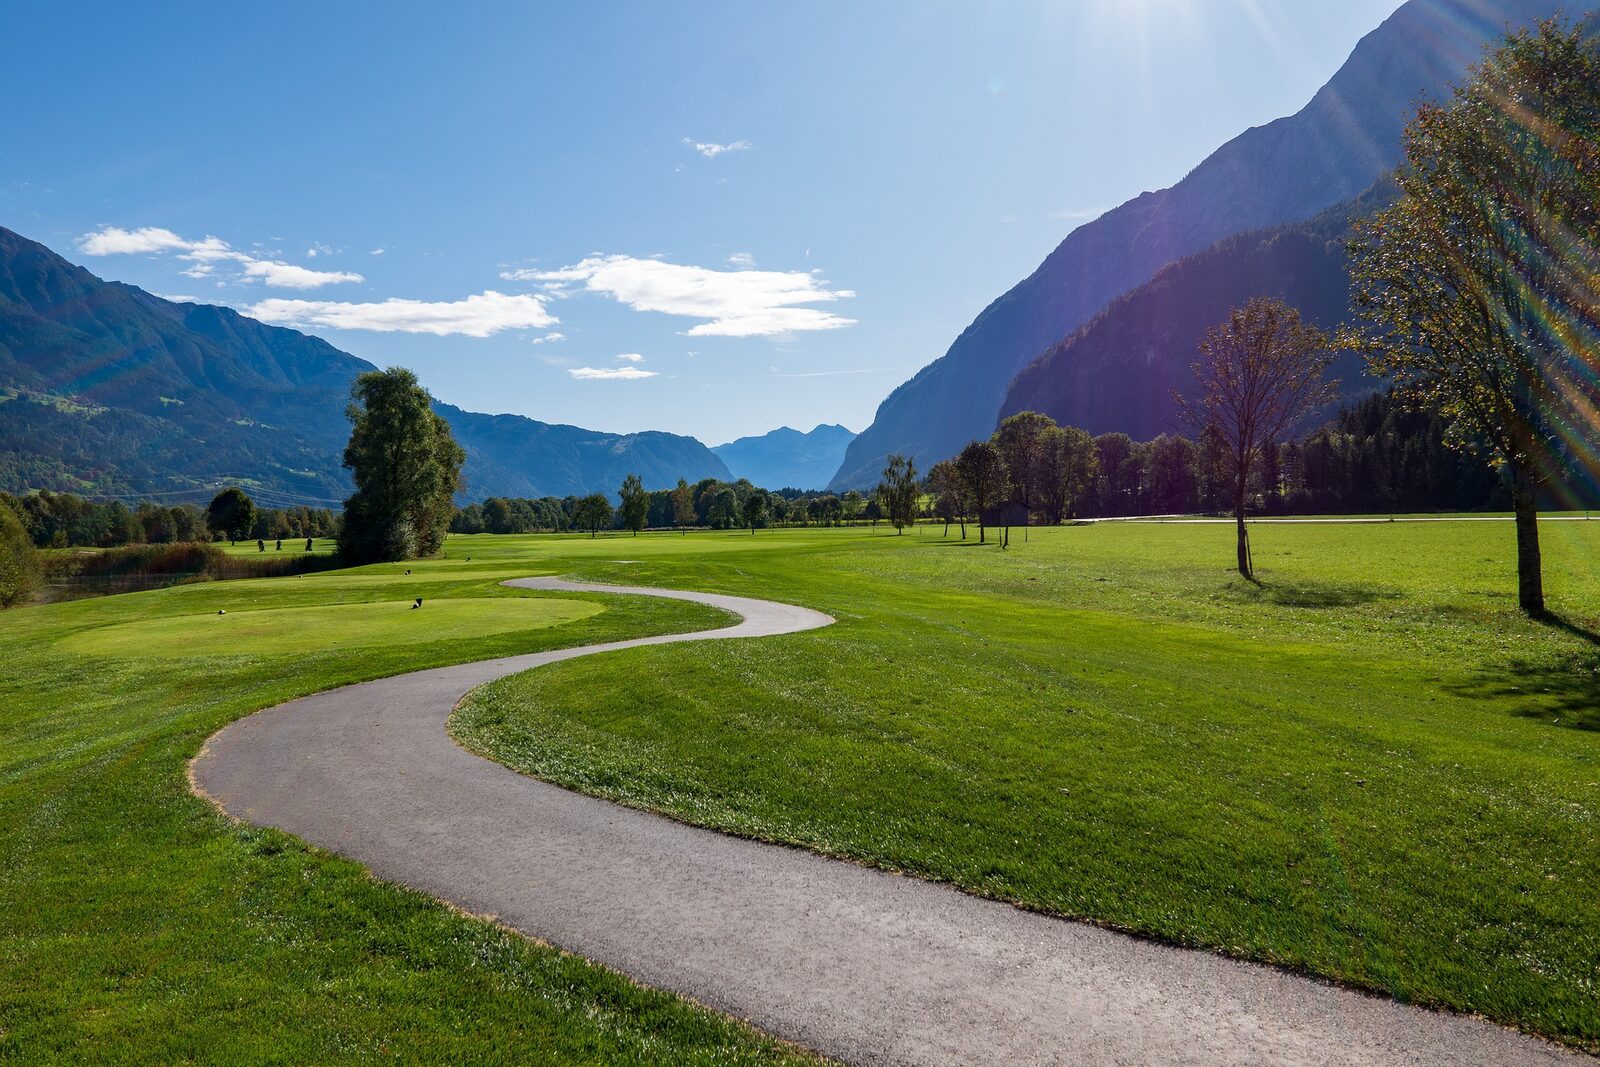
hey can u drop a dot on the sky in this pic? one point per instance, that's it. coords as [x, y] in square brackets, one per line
[707, 218]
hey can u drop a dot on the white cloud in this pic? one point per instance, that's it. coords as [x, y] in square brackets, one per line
[481, 315]
[549, 338]
[113, 241]
[204, 255]
[289, 276]
[711, 150]
[584, 374]
[742, 303]
[630, 357]
[179, 298]
[377, 252]
[742, 260]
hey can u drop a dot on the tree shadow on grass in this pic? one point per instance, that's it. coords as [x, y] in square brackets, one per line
[1303, 594]
[1564, 692]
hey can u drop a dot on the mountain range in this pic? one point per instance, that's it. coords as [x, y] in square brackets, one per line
[1285, 172]
[1119, 371]
[107, 389]
[785, 458]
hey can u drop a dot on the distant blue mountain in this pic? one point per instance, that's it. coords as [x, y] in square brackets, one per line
[786, 458]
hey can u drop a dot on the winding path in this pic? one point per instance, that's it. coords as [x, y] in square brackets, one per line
[860, 964]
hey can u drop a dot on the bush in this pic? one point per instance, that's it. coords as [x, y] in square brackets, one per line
[19, 561]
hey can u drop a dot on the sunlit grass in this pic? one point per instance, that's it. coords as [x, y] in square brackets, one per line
[1369, 766]
[138, 925]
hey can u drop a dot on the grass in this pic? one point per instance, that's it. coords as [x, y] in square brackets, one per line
[292, 546]
[139, 925]
[1368, 767]
[304, 630]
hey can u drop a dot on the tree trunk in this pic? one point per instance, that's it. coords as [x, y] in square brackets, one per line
[1530, 576]
[1245, 568]
[981, 532]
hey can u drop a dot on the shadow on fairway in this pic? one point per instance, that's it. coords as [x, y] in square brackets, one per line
[1566, 693]
[1312, 594]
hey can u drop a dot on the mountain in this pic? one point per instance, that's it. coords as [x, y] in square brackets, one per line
[1118, 372]
[786, 458]
[1284, 172]
[512, 455]
[106, 389]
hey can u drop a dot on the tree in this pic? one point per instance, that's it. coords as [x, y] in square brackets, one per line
[755, 510]
[19, 562]
[900, 492]
[1021, 440]
[725, 512]
[949, 501]
[406, 466]
[1260, 372]
[231, 513]
[592, 513]
[635, 503]
[983, 477]
[1477, 289]
[1065, 469]
[683, 506]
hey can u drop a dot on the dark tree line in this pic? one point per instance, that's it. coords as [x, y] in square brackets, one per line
[64, 520]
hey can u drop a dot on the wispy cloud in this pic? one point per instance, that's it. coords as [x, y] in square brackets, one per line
[481, 315]
[548, 339]
[711, 150]
[205, 255]
[289, 276]
[742, 260]
[610, 373]
[1079, 214]
[630, 357]
[737, 303]
[776, 373]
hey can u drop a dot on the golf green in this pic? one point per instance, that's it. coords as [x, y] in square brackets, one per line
[325, 626]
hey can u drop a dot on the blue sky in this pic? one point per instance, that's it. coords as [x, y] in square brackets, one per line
[707, 218]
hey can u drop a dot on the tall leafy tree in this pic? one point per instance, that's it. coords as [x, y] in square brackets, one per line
[1065, 465]
[1022, 439]
[231, 513]
[683, 505]
[406, 466]
[900, 492]
[755, 510]
[635, 503]
[1478, 289]
[944, 482]
[1260, 372]
[592, 513]
[984, 481]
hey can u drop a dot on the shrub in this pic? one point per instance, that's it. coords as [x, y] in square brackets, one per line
[19, 561]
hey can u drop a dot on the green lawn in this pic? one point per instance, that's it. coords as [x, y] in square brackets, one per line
[292, 546]
[1369, 767]
[137, 925]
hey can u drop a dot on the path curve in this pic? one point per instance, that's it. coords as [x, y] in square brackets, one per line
[857, 963]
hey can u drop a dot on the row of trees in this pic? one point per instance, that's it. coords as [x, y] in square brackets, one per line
[64, 520]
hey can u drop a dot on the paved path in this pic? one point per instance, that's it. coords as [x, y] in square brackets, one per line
[860, 964]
